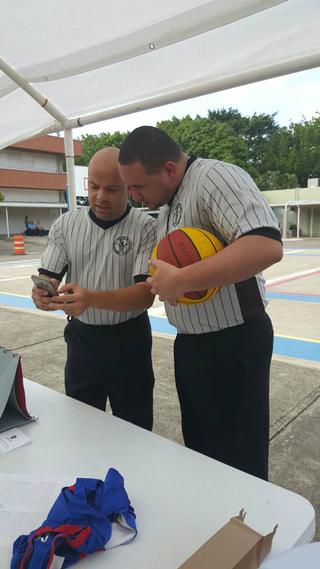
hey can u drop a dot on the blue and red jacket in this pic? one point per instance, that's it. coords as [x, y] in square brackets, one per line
[81, 521]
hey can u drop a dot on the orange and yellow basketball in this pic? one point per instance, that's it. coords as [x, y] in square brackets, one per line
[183, 247]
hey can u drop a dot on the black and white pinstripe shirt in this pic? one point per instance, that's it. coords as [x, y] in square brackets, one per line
[100, 258]
[223, 199]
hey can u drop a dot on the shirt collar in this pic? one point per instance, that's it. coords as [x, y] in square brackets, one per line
[106, 224]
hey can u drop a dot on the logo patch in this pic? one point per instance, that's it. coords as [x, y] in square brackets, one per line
[177, 214]
[122, 245]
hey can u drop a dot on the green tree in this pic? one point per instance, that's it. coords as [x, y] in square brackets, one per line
[255, 131]
[274, 180]
[258, 132]
[305, 152]
[277, 157]
[294, 152]
[230, 116]
[91, 143]
[207, 138]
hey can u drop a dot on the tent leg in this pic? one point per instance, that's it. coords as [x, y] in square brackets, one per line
[69, 152]
[298, 223]
[7, 221]
[285, 222]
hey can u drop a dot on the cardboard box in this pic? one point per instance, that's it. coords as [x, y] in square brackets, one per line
[234, 546]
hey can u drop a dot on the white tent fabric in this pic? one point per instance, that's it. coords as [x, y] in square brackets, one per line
[99, 59]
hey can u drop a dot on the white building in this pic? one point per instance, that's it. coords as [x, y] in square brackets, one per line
[33, 182]
[297, 209]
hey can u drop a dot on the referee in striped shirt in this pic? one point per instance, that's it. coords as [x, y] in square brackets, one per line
[105, 250]
[224, 345]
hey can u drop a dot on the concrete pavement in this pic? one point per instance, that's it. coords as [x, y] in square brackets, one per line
[295, 383]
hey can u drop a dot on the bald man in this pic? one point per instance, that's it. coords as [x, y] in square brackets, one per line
[104, 249]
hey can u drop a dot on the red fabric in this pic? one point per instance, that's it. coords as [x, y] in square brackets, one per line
[19, 391]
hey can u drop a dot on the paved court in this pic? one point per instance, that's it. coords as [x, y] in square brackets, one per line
[293, 288]
[294, 305]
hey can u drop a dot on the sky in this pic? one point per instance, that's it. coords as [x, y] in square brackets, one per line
[294, 97]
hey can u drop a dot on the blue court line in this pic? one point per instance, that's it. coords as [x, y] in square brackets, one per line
[20, 302]
[301, 349]
[17, 301]
[295, 348]
[162, 325]
[298, 297]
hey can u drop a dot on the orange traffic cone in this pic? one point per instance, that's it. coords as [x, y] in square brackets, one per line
[18, 245]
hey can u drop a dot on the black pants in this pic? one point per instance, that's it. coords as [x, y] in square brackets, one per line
[222, 381]
[112, 362]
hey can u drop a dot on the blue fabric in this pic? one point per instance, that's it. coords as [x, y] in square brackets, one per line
[78, 523]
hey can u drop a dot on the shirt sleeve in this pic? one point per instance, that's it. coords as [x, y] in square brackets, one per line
[147, 243]
[233, 202]
[55, 258]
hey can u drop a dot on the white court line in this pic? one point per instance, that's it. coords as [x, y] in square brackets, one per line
[6, 267]
[311, 340]
[14, 279]
[292, 277]
[14, 294]
[292, 251]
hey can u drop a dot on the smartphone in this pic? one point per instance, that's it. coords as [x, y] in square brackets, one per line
[43, 283]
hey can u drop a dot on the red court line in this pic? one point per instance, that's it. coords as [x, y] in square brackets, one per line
[296, 277]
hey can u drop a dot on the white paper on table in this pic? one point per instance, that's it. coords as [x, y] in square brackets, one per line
[11, 439]
[25, 503]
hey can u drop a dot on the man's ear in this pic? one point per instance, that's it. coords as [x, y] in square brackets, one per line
[171, 169]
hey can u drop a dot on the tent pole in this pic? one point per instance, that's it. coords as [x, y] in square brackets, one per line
[69, 152]
[7, 221]
[298, 223]
[57, 114]
[285, 221]
[34, 93]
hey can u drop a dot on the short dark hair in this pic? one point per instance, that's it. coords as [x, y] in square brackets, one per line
[151, 146]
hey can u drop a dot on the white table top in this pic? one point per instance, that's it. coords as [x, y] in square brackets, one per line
[180, 497]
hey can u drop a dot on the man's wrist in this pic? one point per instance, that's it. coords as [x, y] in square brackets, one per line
[90, 298]
[96, 298]
[182, 277]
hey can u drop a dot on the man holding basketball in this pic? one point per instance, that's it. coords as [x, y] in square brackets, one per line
[224, 345]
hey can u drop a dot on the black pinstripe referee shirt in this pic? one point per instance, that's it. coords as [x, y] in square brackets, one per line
[221, 198]
[100, 255]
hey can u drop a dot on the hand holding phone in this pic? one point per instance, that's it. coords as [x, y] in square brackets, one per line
[44, 284]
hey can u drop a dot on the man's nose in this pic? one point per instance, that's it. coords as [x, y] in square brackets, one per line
[101, 196]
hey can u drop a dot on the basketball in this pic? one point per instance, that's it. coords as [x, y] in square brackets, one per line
[183, 247]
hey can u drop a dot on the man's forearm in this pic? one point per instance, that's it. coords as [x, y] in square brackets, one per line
[136, 297]
[241, 260]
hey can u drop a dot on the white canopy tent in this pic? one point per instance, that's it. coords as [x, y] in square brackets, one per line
[70, 63]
